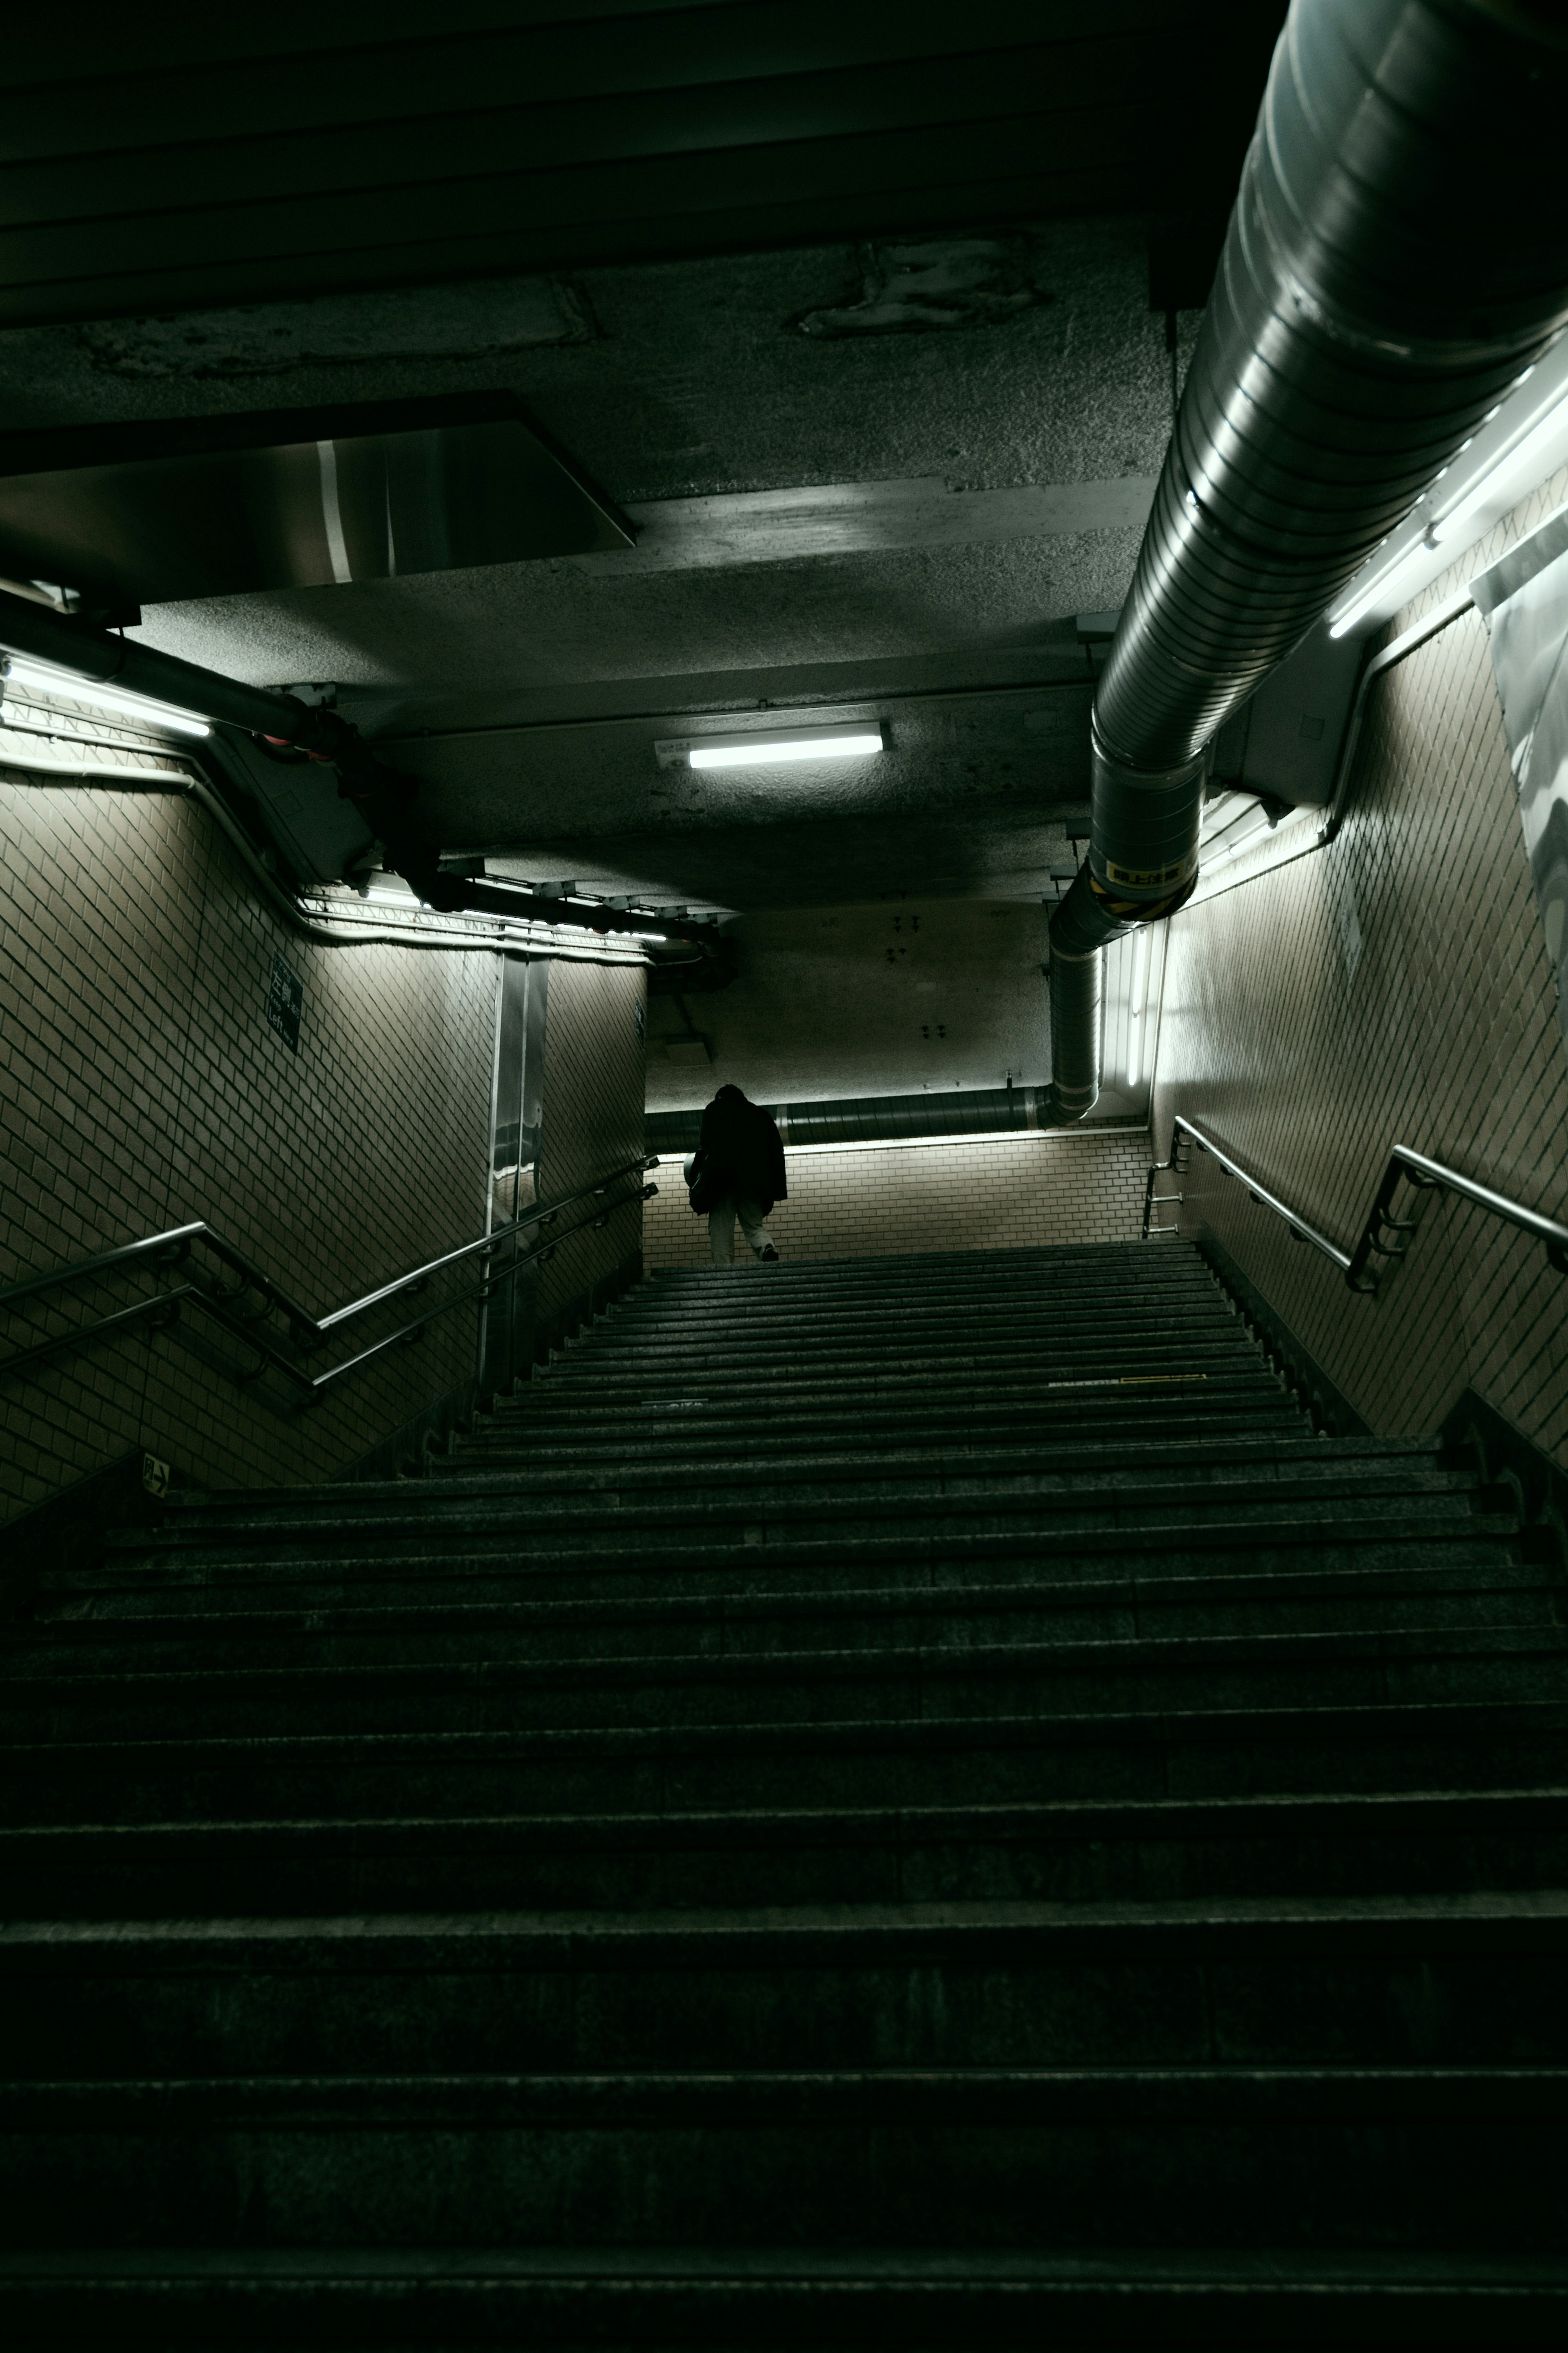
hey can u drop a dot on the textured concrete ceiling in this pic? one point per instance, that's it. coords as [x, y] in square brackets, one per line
[527, 696]
[846, 310]
[973, 793]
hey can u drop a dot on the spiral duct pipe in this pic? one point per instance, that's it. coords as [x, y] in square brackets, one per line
[1397, 258]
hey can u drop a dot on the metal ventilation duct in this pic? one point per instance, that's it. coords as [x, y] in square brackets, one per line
[1398, 254]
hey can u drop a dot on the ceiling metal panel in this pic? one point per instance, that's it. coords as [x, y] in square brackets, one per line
[291, 498]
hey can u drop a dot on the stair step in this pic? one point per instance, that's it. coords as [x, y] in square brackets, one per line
[811, 1378]
[1335, 2159]
[682, 1686]
[889, 1760]
[1052, 1352]
[1085, 1852]
[685, 1429]
[839, 2296]
[1457, 1548]
[1450, 1584]
[1172, 1485]
[1384, 1981]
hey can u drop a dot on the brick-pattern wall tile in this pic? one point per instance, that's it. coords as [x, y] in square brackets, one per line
[1446, 1038]
[141, 1088]
[986, 1195]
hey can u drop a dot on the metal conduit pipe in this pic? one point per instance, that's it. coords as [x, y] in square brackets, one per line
[1397, 258]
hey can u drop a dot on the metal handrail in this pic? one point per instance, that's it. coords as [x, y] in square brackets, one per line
[1383, 1235]
[1431, 1176]
[1256, 1190]
[175, 1246]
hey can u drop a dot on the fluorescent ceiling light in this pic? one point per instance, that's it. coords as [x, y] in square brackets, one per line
[1529, 462]
[1514, 450]
[1135, 1006]
[806, 743]
[1238, 832]
[661, 936]
[45, 680]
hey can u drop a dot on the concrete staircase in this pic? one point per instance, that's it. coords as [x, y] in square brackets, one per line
[911, 1801]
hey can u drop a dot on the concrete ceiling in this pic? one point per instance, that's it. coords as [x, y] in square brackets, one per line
[973, 793]
[877, 466]
[901, 522]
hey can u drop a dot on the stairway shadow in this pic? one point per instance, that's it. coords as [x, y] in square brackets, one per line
[904, 1800]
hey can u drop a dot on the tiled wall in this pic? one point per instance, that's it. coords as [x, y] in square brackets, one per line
[1393, 987]
[968, 1195]
[141, 1087]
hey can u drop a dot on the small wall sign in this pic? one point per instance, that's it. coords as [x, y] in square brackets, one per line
[285, 1001]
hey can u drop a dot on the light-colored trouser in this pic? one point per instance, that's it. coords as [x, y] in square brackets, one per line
[721, 1227]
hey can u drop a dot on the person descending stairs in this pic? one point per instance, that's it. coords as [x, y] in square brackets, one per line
[911, 1801]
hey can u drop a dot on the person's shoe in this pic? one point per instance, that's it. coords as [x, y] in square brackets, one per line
[769, 1256]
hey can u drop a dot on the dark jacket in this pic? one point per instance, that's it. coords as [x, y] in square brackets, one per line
[741, 1151]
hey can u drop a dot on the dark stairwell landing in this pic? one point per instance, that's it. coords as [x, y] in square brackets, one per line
[910, 1799]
